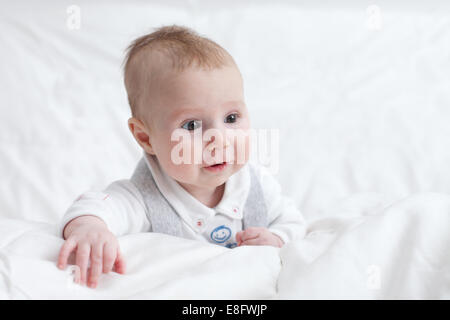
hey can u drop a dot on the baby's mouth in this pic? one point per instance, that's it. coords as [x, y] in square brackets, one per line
[216, 167]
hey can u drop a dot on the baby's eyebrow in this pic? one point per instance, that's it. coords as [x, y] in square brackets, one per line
[234, 103]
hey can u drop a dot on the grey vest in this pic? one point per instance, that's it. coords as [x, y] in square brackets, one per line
[163, 217]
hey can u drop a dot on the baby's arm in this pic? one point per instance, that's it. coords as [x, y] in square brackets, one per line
[93, 221]
[285, 220]
[120, 206]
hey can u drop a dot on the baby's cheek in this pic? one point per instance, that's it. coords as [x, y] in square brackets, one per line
[182, 172]
[173, 163]
[183, 146]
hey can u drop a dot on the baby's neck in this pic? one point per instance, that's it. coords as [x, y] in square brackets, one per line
[208, 197]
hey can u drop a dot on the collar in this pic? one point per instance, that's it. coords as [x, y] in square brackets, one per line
[188, 207]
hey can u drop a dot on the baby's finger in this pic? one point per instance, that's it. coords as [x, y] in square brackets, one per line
[119, 264]
[250, 233]
[253, 242]
[66, 249]
[96, 264]
[239, 237]
[109, 255]
[82, 259]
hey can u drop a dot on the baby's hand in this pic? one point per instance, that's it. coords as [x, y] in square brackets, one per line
[258, 236]
[91, 239]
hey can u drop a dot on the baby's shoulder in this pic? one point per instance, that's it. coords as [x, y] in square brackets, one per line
[123, 188]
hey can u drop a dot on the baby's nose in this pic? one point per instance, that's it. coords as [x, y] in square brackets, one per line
[218, 141]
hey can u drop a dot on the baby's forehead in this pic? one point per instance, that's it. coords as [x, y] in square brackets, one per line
[175, 83]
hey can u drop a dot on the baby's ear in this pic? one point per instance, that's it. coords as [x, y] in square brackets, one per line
[141, 134]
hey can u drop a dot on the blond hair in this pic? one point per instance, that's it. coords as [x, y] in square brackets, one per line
[180, 46]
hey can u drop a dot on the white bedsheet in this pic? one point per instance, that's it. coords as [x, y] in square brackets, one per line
[400, 251]
[158, 267]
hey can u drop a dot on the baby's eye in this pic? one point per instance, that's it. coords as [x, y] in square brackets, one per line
[232, 118]
[192, 125]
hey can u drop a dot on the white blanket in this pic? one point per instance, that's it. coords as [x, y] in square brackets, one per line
[158, 267]
[399, 250]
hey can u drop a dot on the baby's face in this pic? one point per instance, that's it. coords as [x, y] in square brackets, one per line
[200, 116]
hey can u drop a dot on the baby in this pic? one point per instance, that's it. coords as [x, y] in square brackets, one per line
[181, 85]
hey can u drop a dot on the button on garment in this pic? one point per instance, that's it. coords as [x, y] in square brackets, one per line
[200, 224]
